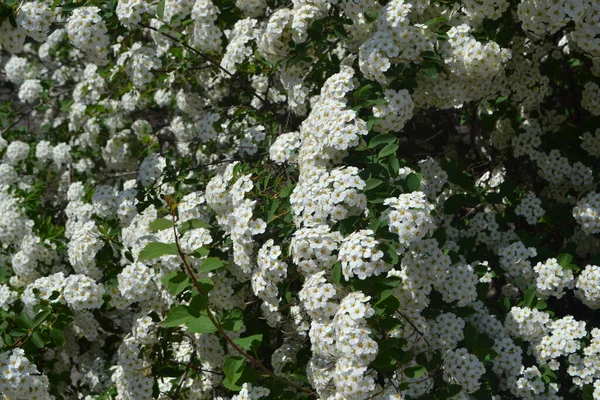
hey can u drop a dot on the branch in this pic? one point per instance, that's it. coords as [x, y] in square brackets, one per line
[213, 320]
[199, 53]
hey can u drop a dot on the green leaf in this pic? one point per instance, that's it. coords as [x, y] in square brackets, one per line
[382, 139]
[413, 182]
[176, 282]
[24, 321]
[18, 332]
[429, 69]
[588, 392]
[178, 315]
[211, 263]
[454, 203]
[336, 273]
[157, 249]
[529, 297]
[160, 9]
[193, 224]
[42, 315]
[372, 183]
[233, 368]
[388, 150]
[198, 304]
[250, 343]
[37, 340]
[161, 224]
[201, 324]
[485, 354]
[58, 337]
[415, 372]
[233, 320]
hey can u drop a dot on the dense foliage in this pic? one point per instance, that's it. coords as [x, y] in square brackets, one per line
[344, 199]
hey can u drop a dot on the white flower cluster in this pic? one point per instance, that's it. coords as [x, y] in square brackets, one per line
[82, 292]
[397, 111]
[331, 195]
[530, 207]
[409, 217]
[359, 256]
[234, 214]
[35, 17]
[588, 286]
[591, 143]
[87, 32]
[139, 61]
[464, 368]
[20, 379]
[136, 285]
[151, 169]
[130, 12]
[313, 248]
[12, 39]
[82, 248]
[434, 177]
[238, 49]
[544, 17]
[552, 279]
[285, 148]
[585, 369]
[587, 213]
[561, 340]
[590, 98]
[204, 34]
[18, 69]
[447, 330]
[527, 323]
[531, 386]
[30, 90]
[265, 278]
[395, 40]
[249, 392]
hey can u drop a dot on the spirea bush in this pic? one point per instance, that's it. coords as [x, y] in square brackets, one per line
[262, 199]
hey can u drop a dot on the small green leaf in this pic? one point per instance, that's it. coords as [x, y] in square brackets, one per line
[41, 316]
[529, 297]
[415, 372]
[193, 224]
[58, 337]
[233, 368]
[211, 263]
[161, 224]
[233, 320]
[250, 343]
[178, 315]
[160, 9]
[372, 183]
[157, 249]
[413, 182]
[336, 273]
[202, 324]
[176, 282]
[37, 340]
[382, 139]
[429, 69]
[18, 332]
[388, 150]
[454, 203]
[24, 321]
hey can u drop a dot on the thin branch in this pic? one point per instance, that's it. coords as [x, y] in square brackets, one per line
[199, 53]
[211, 316]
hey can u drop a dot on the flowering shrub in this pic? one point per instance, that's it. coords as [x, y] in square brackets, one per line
[349, 199]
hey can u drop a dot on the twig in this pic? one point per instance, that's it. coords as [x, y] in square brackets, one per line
[210, 315]
[199, 53]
